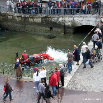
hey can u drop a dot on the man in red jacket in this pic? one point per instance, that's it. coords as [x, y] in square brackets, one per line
[58, 76]
[24, 55]
[53, 82]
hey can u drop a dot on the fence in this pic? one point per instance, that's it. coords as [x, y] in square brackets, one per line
[87, 38]
[51, 11]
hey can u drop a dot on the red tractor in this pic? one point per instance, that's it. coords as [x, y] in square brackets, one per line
[35, 59]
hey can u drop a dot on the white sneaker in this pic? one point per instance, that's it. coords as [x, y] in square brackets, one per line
[33, 87]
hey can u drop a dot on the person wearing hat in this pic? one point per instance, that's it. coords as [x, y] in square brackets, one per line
[70, 60]
[8, 90]
[24, 55]
[53, 82]
[83, 50]
[99, 44]
[94, 37]
[88, 56]
[18, 69]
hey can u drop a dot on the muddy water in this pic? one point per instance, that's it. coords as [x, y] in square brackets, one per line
[12, 42]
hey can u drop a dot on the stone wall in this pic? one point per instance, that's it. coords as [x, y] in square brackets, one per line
[57, 24]
[18, 22]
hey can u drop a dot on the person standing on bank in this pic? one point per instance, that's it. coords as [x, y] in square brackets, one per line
[94, 37]
[58, 76]
[53, 82]
[8, 90]
[43, 74]
[18, 69]
[41, 90]
[36, 77]
[62, 73]
[83, 50]
[99, 44]
[76, 54]
[70, 60]
[88, 56]
[48, 94]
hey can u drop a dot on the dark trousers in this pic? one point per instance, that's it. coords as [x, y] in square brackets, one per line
[57, 87]
[94, 42]
[8, 92]
[41, 94]
[44, 81]
[89, 63]
[62, 80]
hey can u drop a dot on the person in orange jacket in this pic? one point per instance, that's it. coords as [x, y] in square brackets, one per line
[58, 76]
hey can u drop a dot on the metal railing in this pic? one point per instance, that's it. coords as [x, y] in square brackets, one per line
[50, 11]
[87, 38]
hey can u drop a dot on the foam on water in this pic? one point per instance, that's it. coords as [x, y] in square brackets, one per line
[58, 55]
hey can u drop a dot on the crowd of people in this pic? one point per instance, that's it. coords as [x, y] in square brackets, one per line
[57, 7]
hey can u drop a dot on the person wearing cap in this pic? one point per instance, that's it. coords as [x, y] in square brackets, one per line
[70, 60]
[53, 82]
[58, 76]
[94, 37]
[36, 78]
[88, 56]
[18, 69]
[99, 44]
[83, 50]
[24, 55]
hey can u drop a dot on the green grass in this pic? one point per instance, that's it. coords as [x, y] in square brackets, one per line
[12, 42]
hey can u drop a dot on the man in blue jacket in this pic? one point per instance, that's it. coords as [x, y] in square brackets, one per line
[99, 44]
[88, 56]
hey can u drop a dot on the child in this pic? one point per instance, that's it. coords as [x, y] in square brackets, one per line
[4, 91]
[48, 94]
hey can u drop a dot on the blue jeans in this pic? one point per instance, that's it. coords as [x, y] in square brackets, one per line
[36, 85]
[54, 90]
[59, 10]
[83, 54]
[8, 92]
[70, 67]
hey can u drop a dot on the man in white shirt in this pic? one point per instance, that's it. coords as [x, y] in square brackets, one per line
[83, 50]
[9, 5]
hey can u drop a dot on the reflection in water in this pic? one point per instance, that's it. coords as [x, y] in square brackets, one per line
[60, 95]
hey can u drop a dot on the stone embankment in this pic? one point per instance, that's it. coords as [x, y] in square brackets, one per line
[88, 79]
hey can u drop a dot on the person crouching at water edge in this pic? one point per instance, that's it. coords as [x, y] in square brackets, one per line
[76, 54]
[70, 60]
[88, 56]
[18, 69]
[53, 82]
[36, 77]
[43, 74]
